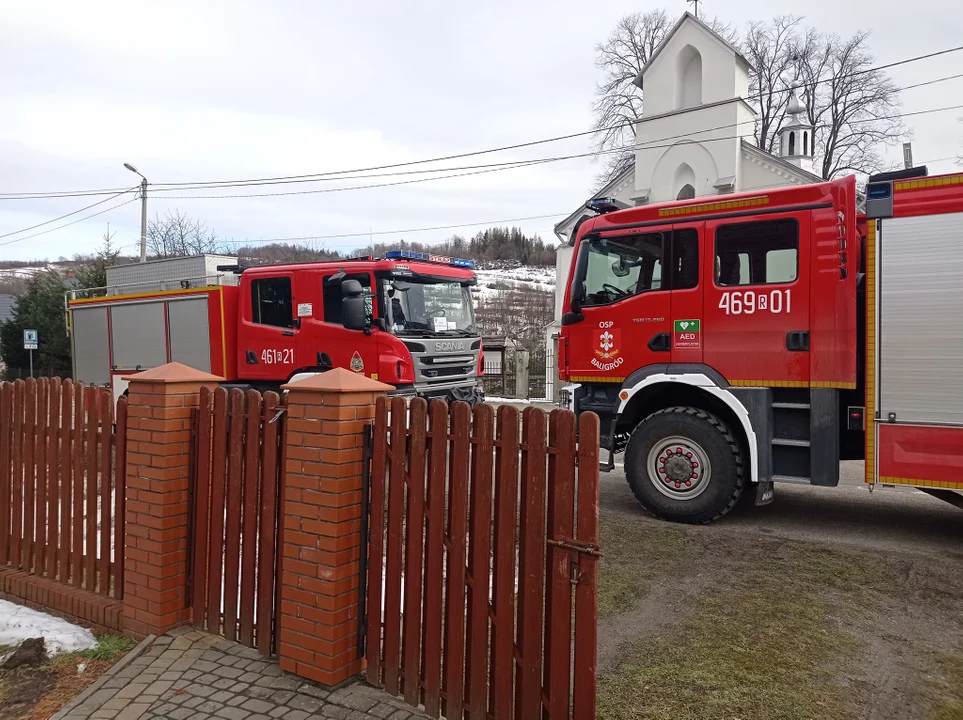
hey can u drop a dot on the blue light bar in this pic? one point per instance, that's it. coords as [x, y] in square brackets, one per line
[426, 257]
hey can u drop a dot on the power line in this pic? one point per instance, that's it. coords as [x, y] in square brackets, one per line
[290, 178]
[379, 233]
[72, 222]
[62, 217]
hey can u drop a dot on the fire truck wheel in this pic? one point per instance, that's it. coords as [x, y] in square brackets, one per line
[684, 465]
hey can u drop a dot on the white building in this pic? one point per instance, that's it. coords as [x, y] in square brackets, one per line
[695, 137]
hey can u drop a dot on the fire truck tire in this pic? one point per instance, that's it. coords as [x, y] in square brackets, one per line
[684, 465]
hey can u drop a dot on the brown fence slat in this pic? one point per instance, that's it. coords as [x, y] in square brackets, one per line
[66, 478]
[376, 543]
[39, 438]
[29, 473]
[558, 583]
[476, 673]
[503, 573]
[250, 516]
[394, 547]
[531, 566]
[202, 504]
[76, 561]
[454, 656]
[53, 478]
[232, 542]
[434, 555]
[106, 484]
[120, 499]
[586, 592]
[90, 491]
[6, 473]
[267, 537]
[414, 552]
[215, 564]
[16, 469]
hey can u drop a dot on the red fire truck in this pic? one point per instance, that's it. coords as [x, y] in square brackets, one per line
[405, 319]
[733, 342]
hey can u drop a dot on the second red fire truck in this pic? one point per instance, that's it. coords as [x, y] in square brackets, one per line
[733, 342]
[405, 319]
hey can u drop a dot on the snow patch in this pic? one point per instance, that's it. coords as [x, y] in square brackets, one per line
[18, 623]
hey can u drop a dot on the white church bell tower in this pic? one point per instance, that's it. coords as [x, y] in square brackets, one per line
[796, 137]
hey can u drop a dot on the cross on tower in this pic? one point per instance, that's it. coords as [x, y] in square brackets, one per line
[695, 3]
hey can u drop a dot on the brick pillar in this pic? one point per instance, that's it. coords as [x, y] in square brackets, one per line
[321, 527]
[158, 474]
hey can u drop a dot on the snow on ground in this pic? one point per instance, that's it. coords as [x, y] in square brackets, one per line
[18, 623]
[493, 280]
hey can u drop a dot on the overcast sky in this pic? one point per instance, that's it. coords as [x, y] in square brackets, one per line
[205, 90]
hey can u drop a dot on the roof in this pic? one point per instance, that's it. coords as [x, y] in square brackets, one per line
[781, 163]
[605, 191]
[712, 33]
[7, 303]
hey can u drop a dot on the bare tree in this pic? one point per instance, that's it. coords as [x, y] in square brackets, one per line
[771, 49]
[853, 108]
[618, 102]
[177, 235]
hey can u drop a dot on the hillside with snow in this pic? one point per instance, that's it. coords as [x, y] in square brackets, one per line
[494, 278]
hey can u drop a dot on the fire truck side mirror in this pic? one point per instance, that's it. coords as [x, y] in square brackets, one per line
[353, 313]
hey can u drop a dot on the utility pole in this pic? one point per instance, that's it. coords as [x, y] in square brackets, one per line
[143, 212]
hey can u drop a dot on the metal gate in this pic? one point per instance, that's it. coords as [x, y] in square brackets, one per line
[237, 440]
[482, 587]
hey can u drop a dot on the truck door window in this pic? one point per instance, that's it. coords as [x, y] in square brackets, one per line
[271, 302]
[685, 259]
[757, 253]
[622, 266]
[333, 297]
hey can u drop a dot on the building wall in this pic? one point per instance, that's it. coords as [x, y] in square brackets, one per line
[723, 75]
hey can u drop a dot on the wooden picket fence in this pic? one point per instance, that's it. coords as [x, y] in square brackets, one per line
[62, 466]
[483, 551]
[234, 489]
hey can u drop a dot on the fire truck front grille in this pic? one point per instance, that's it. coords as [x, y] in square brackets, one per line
[451, 363]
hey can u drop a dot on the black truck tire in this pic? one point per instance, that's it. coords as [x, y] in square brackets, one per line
[684, 465]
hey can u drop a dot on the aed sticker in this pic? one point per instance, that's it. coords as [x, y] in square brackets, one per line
[356, 364]
[688, 334]
[305, 309]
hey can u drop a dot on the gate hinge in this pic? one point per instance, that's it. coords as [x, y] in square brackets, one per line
[277, 415]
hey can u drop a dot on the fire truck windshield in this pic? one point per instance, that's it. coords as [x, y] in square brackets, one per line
[415, 307]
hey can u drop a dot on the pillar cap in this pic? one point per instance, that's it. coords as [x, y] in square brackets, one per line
[338, 380]
[173, 372]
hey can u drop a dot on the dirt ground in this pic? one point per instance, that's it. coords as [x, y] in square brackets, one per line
[37, 692]
[830, 604]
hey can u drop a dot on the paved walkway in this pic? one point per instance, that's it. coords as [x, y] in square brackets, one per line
[190, 675]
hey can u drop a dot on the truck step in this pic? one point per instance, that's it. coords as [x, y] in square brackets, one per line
[792, 479]
[786, 442]
[790, 406]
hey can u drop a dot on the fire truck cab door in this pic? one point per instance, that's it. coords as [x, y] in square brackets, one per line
[755, 329]
[267, 337]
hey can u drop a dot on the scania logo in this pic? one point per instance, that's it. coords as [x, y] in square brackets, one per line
[449, 346]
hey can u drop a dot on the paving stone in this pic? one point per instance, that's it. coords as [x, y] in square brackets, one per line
[236, 701]
[182, 664]
[382, 710]
[131, 691]
[200, 690]
[133, 711]
[158, 688]
[277, 712]
[223, 683]
[271, 670]
[228, 672]
[232, 713]
[170, 676]
[249, 677]
[116, 704]
[221, 696]
[205, 666]
[193, 702]
[184, 642]
[181, 684]
[259, 717]
[207, 679]
[260, 692]
[400, 715]
[303, 702]
[180, 714]
[357, 701]
[257, 706]
[258, 666]
[314, 691]
[289, 714]
[240, 687]
[178, 631]
[163, 640]
[191, 674]
[208, 706]
[166, 709]
[335, 711]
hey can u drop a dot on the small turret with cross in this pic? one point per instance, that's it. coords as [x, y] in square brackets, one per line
[695, 5]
